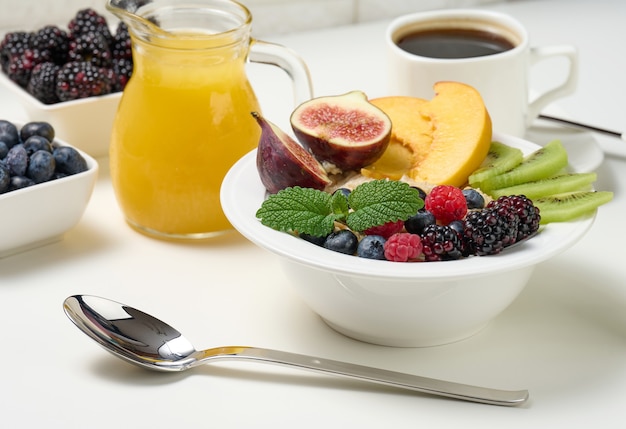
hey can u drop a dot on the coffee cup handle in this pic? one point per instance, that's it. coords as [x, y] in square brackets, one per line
[568, 87]
[286, 59]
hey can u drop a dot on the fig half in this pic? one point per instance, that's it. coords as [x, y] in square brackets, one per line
[281, 162]
[344, 130]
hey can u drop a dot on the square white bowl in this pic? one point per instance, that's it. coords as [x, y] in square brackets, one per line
[86, 122]
[42, 213]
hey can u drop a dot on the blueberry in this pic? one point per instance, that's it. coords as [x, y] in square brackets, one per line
[371, 247]
[422, 193]
[416, 223]
[344, 191]
[69, 160]
[343, 241]
[474, 199]
[457, 225]
[17, 160]
[5, 178]
[42, 129]
[317, 240]
[4, 149]
[41, 166]
[19, 182]
[35, 143]
[9, 134]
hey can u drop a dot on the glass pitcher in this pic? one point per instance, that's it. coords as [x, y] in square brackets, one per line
[185, 115]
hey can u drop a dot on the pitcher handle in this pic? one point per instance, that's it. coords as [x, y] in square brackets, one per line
[289, 61]
[566, 88]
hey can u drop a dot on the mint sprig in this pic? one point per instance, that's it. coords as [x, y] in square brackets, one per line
[380, 201]
[314, 212]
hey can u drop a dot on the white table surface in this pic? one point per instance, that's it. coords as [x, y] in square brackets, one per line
[564, 338]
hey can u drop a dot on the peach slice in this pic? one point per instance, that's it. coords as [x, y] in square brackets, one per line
[440, 141]
[410, 138]
[461, 135]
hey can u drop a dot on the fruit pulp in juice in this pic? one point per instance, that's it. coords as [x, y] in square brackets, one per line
[177, 132]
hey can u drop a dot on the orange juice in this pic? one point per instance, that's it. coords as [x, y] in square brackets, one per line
[183, 121]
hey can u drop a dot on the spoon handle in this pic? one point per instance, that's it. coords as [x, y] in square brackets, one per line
[390, 378]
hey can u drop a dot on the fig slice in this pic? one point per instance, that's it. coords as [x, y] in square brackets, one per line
[345, 130]
[282, 162]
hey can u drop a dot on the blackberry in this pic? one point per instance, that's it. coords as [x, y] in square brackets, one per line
[13, 46]
[121, 48]
[21, 67]
[80, 80]
[489, 231]
[43, 81]
[123, 69]
[442, 243]
[90, 47]
[54, 40]
[527, 214]
[89, 21]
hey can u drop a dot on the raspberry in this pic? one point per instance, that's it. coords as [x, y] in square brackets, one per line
[447, 203]
[386, 230]
[43, 81]
[442, 243]
[402, 247]
[80, 80]
[527, 214]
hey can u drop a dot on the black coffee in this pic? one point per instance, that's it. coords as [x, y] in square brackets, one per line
[454, 43]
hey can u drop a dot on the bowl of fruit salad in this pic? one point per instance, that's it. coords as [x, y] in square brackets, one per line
[398, 261]
[45, 185]
[70, 76]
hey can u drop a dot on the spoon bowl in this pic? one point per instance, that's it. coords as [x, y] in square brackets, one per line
[144, 340]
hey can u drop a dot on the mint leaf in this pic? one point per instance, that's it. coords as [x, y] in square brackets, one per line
[380, 201]
[339, 205]
[302, 210]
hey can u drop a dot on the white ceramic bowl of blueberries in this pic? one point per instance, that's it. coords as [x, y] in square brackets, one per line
[45, 185]
[411, 304]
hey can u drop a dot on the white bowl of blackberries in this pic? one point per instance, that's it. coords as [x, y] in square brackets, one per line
[45, 185]
[70, 76]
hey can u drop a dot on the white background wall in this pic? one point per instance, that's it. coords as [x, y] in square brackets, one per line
[270, 16]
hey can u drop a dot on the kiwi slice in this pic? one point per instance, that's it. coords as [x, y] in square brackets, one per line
[499, 159]
[569, 206]
[541, 164]
[559, 184]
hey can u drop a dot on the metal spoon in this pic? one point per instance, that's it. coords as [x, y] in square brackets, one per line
[146, 341]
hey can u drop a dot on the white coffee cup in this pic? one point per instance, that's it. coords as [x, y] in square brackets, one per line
[502, 78]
